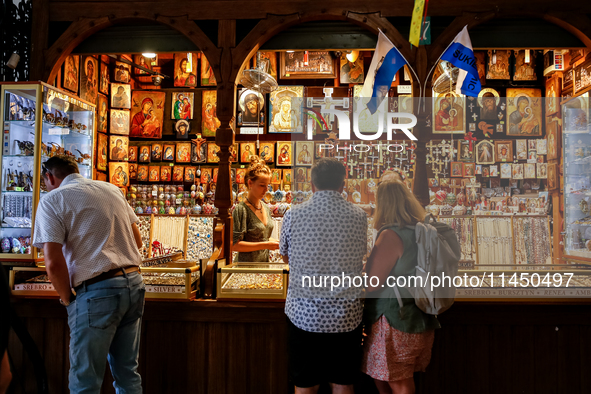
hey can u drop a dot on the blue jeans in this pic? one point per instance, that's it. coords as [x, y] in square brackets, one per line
[105, 322]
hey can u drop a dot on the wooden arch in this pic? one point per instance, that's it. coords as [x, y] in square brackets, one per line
[83, 28]
[274, 24]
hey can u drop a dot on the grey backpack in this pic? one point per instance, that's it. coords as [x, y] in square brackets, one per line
[438, 256]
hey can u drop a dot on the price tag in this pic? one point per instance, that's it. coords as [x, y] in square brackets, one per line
[178, 201]
[155, 193]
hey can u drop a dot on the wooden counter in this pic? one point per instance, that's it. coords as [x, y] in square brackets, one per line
[232, 347]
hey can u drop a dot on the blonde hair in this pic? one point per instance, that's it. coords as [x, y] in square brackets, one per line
[256, 168]
[397, 205]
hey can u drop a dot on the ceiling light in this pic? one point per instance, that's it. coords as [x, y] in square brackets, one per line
[290, 51]
[149, 55]
[352, 56]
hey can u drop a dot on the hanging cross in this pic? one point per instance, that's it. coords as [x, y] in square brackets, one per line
[471, 138]
[357, 169]
[199, 141]
[404, 144]
[444, 172]
[436, 173]
[439, 163]
[437, 152]
[430, 146]
[407, 166]
[474, 116]
[388, 162]
[350, 165]
[471, 106]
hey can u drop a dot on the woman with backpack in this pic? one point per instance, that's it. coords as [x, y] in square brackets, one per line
[399, 339]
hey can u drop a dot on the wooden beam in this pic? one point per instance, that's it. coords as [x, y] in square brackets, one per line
[39, 32]
[61, 10]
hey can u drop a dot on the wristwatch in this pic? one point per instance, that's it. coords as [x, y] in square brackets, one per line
[68, 302]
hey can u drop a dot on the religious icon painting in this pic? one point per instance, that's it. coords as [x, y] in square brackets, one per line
[506, 170]
[250, 105]
[287, 176]
[485, 152]
[284, 153]
[465, 152]
[165, 175]
[70, 73]
[486, 171]
[433, 182]
[285, 109]
[304, 153]
[553, 92]
[468, 170]
[178, 173]
[240, 172]
[267, 151]
[102, 114]
[521, 149]
[212, 150]
[191, 174]
[154, 174]
[182, 105]
[456, 169]
[267, 62]
[133, 171]
[552, 176]
[478, 170]
[147, 114]
[552, 137]
[524, 112]
[233, 149]
[540, 159]
[448, 114]
[517, 171]
[525, 65]
[89, 78]
[101, 157]
[489, 103]
[542, 170]
[494, 171]
[275, 176]
[205, 175]
[247, 149]
[122, 72]
[351, 68]
[104, 78]
[119, 174]
[308, 65]
[532, 157]
[119, 121]
[300, 175]
[503, 151]
[498, 64]
[145, 154]
[207, 75]
[481, 65]
[157, 152]
[542, 147]
[120, 95]
[183, 128]
[183, 152]
[529, 171]
[118, 146]
[209, 121]
[308, 174]
[168, 152]
[145, 62]
[142, 173]
[185, 69]
[133, 155]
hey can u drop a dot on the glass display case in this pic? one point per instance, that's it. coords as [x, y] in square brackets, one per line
[577, 178]
[252, 281]
[39, 122]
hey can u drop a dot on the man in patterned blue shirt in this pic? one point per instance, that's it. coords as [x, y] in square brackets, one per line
[322, 240]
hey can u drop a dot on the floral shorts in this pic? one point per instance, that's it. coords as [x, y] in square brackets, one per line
[391, 355]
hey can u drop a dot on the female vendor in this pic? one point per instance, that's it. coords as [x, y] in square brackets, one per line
[253, 223]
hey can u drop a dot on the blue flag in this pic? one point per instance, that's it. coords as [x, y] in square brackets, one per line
[461, 55]
[386, 62]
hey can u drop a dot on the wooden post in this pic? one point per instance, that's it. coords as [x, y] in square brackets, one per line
[39, 33]
[420, 182]
[226, 93]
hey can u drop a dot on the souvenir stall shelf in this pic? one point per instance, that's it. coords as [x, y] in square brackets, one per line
[577, 179]
[173, 247]
[40, 121]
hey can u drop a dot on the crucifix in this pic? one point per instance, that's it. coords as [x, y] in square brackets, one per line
[439, 164]
[469, 137]
[373, 158]
[444, 172]
[471, 106]
[436, 173]
[357, 170]
[437, 152]
[474, 116]
[388, 162]
[199, 141]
